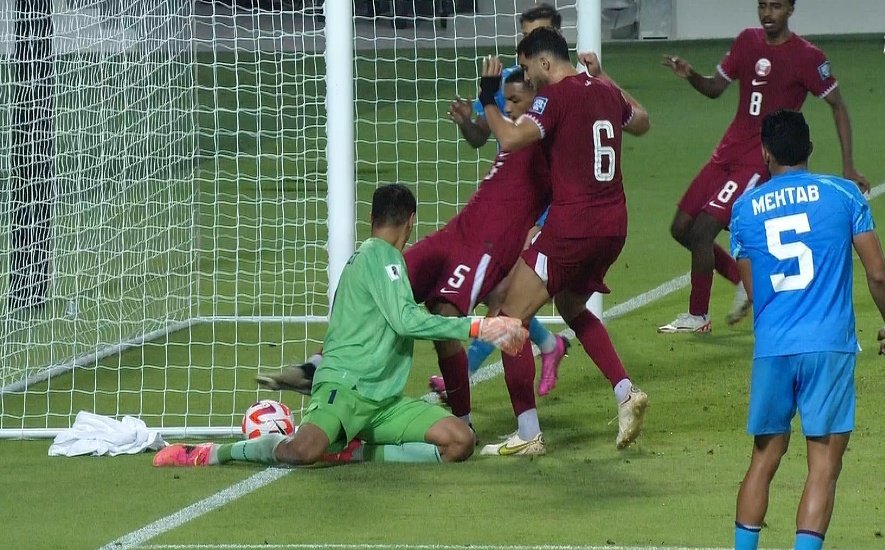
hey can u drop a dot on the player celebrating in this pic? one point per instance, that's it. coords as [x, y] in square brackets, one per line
[367, 357]
[579, 118]
[776, 70]
[793, 238]
[552, 347]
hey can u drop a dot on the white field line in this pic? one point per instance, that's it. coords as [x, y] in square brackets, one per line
[407, 547]
[136, 538]
[219, 499]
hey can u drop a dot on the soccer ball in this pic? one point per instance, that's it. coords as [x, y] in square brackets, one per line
[267, 417]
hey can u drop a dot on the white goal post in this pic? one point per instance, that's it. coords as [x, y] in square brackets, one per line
[180, 216]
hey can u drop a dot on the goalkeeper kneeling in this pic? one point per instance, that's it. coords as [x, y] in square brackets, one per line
[367, 355]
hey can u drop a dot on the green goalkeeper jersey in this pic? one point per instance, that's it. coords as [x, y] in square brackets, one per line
[374, 322]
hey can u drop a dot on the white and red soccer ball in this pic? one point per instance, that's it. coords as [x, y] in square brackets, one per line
[267, 417]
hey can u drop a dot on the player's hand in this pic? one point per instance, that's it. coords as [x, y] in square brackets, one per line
[862, 182]
[679, 66]
[460, 111]
[591, 62]
[506, 333]
[881, 340]
[297, 378]
[492, 66]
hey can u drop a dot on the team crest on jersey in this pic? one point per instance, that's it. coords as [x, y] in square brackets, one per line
[393, 271]
[824, 71]
[763, 67]
[539, 104]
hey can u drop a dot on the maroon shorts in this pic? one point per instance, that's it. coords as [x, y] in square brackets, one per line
[717, 186]
[444, 269]
[577, 265]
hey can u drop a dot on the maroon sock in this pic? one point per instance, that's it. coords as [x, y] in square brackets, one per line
[699, 300]
[725, 265]
[454, 372]
[519, 374]
[592, 334]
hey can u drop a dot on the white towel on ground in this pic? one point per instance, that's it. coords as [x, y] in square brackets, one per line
[102, 435]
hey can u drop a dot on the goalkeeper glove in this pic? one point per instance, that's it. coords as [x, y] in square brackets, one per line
[506, 333]
[297, 378]
[488, 87]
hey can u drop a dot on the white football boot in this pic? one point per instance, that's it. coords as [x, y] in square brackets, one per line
[515, 446]
[686, 322]
[631, 412]
[740, 307]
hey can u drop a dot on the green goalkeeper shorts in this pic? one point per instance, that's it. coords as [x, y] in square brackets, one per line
[343, 414]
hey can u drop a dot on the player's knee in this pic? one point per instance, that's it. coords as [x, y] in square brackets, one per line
[447, 348]
[462, 444]
[679, 232]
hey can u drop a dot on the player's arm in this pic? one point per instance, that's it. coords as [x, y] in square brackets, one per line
[639, 122]
[392, 294]
[710, 86]
[843, 129]
[510, 135]
[869, 250]
[475, 132]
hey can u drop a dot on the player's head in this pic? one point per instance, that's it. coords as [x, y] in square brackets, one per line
[539, 53]
[786, 141]
[773, 15]
[393, 210]
[539, 15]
[518, 94]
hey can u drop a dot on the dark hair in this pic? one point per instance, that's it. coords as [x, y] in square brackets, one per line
[542, 11]
[516, 76]
[785, 134]
[543, 40]
[392, 205]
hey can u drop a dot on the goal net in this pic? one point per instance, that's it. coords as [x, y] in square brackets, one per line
[188, 228]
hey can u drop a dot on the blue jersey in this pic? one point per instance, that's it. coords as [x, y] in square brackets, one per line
[499, 96]
[797, 231]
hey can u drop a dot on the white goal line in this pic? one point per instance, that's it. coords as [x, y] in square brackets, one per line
[357, 546]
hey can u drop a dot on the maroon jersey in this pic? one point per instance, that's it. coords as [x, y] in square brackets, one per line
[771, 78]
[581, 120]
[507, 203]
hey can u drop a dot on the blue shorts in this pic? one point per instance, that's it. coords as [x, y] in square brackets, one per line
[820, 385]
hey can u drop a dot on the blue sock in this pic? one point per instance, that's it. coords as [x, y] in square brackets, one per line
[808, 540]
[477, 353]
[746, 537]
[538, 332]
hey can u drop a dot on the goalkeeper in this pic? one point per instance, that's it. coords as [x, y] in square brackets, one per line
[366, 360]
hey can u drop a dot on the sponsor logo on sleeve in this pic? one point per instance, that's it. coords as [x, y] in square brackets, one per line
[824, 70]
[394, 272]
[539, 104]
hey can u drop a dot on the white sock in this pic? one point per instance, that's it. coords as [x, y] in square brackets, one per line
[527, 425]
[549, 344]
[622, 390]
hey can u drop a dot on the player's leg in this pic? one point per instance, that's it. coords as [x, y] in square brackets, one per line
[826, 402]
[527, 293]
[412, 430]
[711, 192]
[772, 407]
[452, 361]
[553, 347]
[680, 227]
[752, 500]
[816, 506]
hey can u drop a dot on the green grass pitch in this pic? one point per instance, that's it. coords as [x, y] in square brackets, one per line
[676, 487]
